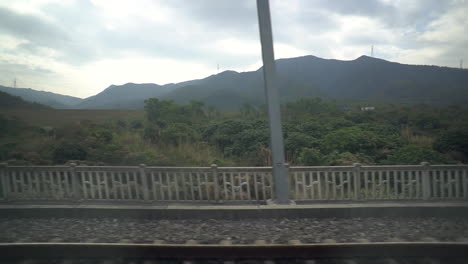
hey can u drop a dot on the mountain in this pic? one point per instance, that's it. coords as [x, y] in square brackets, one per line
[47, 98]
[377, 79]
[8, 101]
[365, 78]
[127, 96]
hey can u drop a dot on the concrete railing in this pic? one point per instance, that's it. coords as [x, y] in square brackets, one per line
[223, 184]
[380, 182]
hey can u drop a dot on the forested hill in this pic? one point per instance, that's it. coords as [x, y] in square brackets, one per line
[47, 98]
[8, 101]
[365, 78]
[127, 96]
[376, 79]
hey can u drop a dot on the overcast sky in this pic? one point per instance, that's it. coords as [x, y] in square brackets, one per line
[80, 47]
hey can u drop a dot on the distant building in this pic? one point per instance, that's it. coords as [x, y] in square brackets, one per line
[368, 108]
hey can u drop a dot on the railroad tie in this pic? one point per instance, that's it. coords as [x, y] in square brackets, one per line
[362, 240]
[192, 242]
[260, 242]
[226, 242]
[294, 242]
[428, 239]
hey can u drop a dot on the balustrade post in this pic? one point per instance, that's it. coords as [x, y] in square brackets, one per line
[357, 181]
[74, 181]
[291, 188]
[425, 180]
[465, 183]
[4, 179]
[144, 182]
[214, 171]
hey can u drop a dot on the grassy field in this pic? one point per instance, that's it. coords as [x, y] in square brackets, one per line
[55, 117]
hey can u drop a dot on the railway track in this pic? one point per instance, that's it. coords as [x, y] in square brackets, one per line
[226, 253]
[30, 238]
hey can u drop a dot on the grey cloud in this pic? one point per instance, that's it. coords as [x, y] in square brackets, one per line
[232, 16]
[59, 36]
[309, 21]
[79, 33]
[413, 13]
[31, 28]
[354, 7]
[13, 69]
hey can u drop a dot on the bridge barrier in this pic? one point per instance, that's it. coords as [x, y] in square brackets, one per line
[224, 184]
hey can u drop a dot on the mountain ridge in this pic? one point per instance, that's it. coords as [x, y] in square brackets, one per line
[51, 99]
[364, 78]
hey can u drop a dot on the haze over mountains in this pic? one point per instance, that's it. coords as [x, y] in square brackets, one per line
[365, 78]
[47, 98]
[8, 101]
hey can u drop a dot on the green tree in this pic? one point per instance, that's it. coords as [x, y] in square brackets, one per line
[415, 154]
[351, 139]
[66, 151]
[177, 133]
[311, 157]
[103, 135]
[197, 108]
[296, 141]
[162, 112]
[455, 139]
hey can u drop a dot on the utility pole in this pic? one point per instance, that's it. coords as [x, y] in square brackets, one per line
[372, 51]
[14, 83]
[461, 64]
[280, 172]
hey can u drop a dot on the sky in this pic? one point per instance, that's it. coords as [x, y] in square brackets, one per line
[80, 47]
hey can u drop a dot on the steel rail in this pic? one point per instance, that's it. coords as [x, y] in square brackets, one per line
[232, 252]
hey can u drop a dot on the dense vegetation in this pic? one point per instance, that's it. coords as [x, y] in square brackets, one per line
[317, 132]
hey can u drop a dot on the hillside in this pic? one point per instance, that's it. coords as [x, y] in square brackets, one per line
[8, 101]
[365, 78]
[376, 79]
[47, 98]
[127, 96]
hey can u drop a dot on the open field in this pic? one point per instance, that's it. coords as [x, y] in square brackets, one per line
[56, 117]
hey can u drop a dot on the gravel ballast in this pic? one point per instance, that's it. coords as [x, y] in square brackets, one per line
[307, 230]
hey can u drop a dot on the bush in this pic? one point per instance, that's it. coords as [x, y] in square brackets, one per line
[351, 139]
[453, 140]
[152, 133]
[136, 124]
[176, 133]
[311, 157]
[68, 151]
[415, 154]
[103, 135]
[347, 158]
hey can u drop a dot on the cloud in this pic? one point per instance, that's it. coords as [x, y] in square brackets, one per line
[81, 47]
[31, 28]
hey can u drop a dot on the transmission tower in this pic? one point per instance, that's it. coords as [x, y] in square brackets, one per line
[14, 83]
[461, 63]
[372, 51]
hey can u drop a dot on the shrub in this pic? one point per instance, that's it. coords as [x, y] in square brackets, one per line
[68, 151]
[415, 154]
[311, 157]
